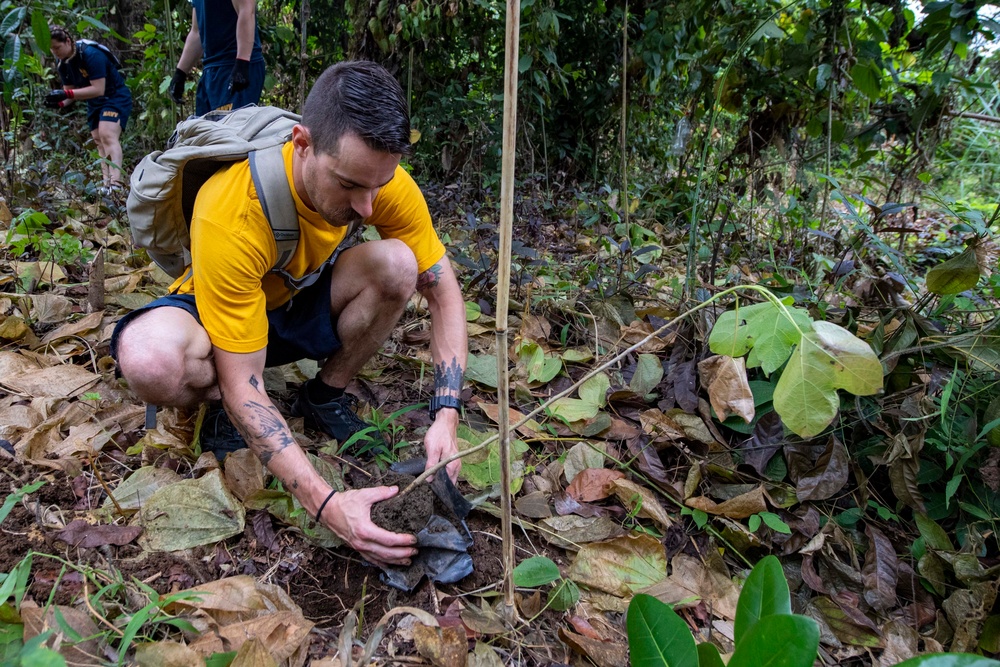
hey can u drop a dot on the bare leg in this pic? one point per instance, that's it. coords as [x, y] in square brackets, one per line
[370, 287]
[99, 140]
[166, 356]
[111, 134]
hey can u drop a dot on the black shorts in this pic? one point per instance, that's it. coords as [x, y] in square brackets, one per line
[301, 329]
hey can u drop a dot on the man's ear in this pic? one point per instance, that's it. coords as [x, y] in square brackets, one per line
[301, 139]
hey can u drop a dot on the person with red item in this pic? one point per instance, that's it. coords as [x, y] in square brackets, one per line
[89, 71]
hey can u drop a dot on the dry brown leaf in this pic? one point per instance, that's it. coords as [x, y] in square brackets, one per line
[444, 647]
[534, 505]
[80, 533]
[740, 507]
[638, 330]
[55, 381]
[690, 578]
[244, 473]
[253, 654]
[81, 327]
[536, 328]
[602, 653]
[167, 654]
[50, 308]
[593, 484]
[285, 635]
[483, 655]
[529, 429]
[728, 389]
[631, 494]
[37, 620]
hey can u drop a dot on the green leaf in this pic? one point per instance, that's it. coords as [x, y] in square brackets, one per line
[955, 275]
[221, 659]
[648, 373]
[866, 80]
[565, 595]
[593, 397]
[40, 28]
[782, 640]
[535, 572]
[949, 660]
[12, 20]
[657, 636]
[765, 593]
[472, 311]
[708, 656]
[762, 329]
[775, 523]
[190, 513]
[15, 497]
[482, 368]
[827, 358]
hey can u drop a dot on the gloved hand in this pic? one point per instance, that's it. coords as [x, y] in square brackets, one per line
[176, 89]
[58, 98]
[240, 78]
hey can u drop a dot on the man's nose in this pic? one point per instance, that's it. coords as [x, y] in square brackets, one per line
[362, 203]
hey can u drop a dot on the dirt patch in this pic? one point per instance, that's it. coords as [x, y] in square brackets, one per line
[408, 514]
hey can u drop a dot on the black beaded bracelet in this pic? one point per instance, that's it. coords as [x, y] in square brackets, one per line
[323, 506]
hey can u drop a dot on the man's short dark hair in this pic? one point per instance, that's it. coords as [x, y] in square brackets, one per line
[358, 97]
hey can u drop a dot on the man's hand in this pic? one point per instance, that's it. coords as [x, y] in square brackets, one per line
[441, 443]
[176, 89]
[240, 78]
[57, 98]
[348, 515]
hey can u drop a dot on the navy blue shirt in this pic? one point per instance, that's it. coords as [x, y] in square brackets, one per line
[88, 64]
[217, 29]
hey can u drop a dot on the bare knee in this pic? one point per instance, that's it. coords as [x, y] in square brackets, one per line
[395, 273]
[165, 360]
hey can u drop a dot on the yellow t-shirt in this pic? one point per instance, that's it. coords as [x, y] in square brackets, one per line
[233, 249]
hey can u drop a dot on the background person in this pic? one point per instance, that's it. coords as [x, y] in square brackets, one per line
[89, 73]
[224, 36]
[229, 316]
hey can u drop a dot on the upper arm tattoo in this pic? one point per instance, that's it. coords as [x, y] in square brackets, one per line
[429, 278]
[254, 383]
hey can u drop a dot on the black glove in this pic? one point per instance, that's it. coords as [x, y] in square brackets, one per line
[55, 98]
[176, 89]
[240, 77]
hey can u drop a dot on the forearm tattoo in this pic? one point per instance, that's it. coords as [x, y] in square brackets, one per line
[264, 430]
[254, 383]
[429, 278]
[448, 377]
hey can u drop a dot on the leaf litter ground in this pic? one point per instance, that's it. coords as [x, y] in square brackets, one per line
[600, 491]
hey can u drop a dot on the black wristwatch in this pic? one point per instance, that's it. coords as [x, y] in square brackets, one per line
[438, 402]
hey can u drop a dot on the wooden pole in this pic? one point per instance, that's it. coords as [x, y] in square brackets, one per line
[624, 145]
[304, 11]
[503, 293]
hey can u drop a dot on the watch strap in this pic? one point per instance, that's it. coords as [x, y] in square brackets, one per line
[438, 402]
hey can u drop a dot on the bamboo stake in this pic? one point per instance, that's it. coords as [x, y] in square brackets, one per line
[304, 12]
[503, 294]
[624, 195]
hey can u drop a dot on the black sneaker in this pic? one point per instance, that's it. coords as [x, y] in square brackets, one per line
[218, 435]
[339, 420]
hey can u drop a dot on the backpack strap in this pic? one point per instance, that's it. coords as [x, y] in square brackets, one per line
[267, 168]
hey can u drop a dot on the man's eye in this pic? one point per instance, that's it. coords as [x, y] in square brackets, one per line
[347, 186]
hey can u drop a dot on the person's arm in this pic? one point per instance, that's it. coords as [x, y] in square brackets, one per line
[348, 513]
[246, 24]
[449, 350]
[95, 89]
[192, 51]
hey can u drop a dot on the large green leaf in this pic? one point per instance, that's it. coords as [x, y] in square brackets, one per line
[827, 358]
[482, 368]
[190, 513]
[955, 275]
[657, 636]
[949, 660]
[40, 29]
[782, 640]
[763, 330]
[765, 593]
[593, 397]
